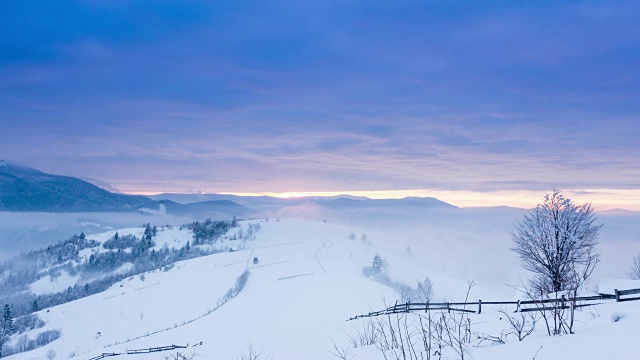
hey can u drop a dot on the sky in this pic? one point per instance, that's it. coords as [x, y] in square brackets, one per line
[483, 100]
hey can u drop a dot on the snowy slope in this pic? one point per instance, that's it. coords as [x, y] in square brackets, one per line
[307, 282]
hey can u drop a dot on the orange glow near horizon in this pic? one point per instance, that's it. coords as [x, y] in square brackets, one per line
[602, 199]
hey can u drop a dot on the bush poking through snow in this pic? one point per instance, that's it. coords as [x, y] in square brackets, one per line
[26, 323]
[252, 354]
[616, 316]
[340, 353]
[181, 355]
[24, 343]
[378, 272]
[51, 354]
[435, 334]
[521, 324]
[241, 282]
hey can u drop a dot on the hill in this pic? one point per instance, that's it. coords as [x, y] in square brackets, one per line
[23, 189]
[26, 189]
[306, 280]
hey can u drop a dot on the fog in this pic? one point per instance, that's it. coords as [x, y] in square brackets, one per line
[471, 243]
[24, 231]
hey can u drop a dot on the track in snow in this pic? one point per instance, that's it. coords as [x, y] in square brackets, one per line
[324, 244]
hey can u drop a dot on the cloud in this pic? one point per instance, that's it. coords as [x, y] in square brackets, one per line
[303, 97]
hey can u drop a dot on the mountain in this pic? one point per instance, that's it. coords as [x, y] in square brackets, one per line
[404, 203]
[26, 189]
[341, 202]
[249, 201]
[212, 208]
[192, 198]
[23, 189]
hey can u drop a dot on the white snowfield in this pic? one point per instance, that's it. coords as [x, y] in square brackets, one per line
[307, 282]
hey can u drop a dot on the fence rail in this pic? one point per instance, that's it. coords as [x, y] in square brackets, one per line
[564, 303]
[144, 351]
[155, 349]
[104, 355]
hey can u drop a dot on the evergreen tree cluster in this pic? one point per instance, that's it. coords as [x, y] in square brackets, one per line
[142, 259]
[24, 269]
[376, 266]
[16, 274]
[149, 232]
[61, 252]
[209, 231]
[6, 327]
[120, 242]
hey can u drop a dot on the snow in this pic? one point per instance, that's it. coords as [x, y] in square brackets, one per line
[173, 238]
[599, 338]
[102, 237]
[48, 284]
[307, 282]
[608, 286]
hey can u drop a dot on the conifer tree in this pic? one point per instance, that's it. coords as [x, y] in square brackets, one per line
[6, 326]
[376, 266]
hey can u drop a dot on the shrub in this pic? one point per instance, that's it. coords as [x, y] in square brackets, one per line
[27, 323]
[48, 336]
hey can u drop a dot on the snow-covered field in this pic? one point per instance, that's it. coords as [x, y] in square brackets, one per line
[307, 281]
[49, 284]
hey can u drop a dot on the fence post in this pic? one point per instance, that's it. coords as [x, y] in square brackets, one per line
[479, 306]
[448, 307]
[617, 295]
[518, 308]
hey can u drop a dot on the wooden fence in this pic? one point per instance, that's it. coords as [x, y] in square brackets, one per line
[155, 349]
[104, 355]
[144, 351]
[476, 307]
[620, 293]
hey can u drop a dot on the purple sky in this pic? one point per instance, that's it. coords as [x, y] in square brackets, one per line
[154, 96]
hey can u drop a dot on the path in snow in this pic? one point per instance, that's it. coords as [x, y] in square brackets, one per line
[316, 256]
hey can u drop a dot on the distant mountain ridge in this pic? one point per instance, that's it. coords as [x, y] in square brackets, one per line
[343, 202]
[24, 189]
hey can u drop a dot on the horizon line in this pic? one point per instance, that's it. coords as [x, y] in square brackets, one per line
[601, 199]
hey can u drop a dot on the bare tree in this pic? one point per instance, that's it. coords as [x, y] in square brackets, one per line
[635, 268]
[22, 344]
[557, 242]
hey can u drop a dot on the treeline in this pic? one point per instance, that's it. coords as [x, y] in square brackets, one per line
[120, 242]
[96, 271]
[10, 327]
[23, 303]
[61, 252]
[140, 253]
[24, 269]
[209, 231]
